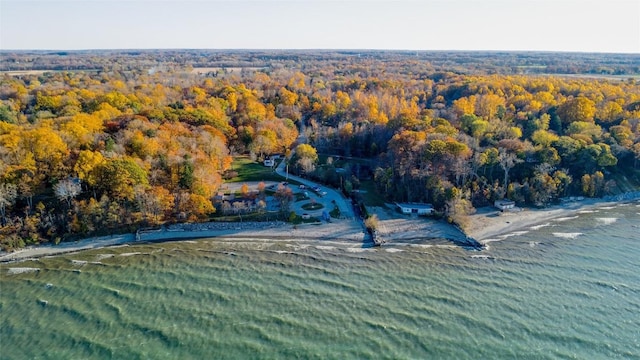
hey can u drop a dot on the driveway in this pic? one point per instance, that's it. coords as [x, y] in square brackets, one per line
[332, 195]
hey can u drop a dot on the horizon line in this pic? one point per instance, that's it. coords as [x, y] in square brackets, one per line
[322, 49]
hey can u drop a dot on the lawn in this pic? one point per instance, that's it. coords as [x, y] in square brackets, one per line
[312, 206]
[249, 170]
[370, 195]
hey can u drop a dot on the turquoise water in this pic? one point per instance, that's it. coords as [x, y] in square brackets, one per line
[567, 290]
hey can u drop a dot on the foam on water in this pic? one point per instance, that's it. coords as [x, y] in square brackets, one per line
[607, 221]
[131, 254]
[567, 235]
[79, 262]
[357, 250]
[561, 219]
[486, 241]
[393, 250]
[538, 227]
[607, 207]
[515, 233]
[319, 247]
[587, 211]
[21, 270]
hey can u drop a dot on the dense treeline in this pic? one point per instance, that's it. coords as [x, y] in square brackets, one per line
[150, 142]
[465, 62]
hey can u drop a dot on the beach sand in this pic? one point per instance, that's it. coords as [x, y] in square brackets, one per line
[489, 222]
[336, 230]
[486, 224]
[394, 226]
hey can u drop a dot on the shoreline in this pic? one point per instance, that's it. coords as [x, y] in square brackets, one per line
[348, 230]
[489, 223]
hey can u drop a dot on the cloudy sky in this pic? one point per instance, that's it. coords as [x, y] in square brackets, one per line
[552, 25]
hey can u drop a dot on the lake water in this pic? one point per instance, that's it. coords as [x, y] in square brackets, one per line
[569, 288]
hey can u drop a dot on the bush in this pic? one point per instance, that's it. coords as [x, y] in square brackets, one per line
[229, 174]
[372, 223]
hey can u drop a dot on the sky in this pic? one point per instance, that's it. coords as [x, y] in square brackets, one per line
[536, 25]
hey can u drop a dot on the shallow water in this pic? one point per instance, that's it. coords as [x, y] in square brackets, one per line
[544, 293]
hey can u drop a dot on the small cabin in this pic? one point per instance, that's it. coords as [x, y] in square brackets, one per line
[415, 208]
[504, 204]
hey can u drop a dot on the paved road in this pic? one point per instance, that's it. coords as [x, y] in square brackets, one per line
[332, 195]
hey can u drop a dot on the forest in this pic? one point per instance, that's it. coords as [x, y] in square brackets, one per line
[102, 142]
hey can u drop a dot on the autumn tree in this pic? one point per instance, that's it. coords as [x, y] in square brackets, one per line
[577, 109]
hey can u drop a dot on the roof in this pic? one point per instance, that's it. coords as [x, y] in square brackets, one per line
[415, 205]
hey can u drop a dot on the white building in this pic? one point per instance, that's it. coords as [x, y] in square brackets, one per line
[269, 162]
[415, 208]
[504, 204]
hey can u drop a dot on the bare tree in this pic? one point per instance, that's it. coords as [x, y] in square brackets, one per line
[8, 194]
[306, 164]
[67, 189]
[507, 161]
[284, 195]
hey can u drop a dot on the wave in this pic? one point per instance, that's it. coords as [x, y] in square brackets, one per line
[356, 250]
[104, 256]
[393, 250]
[538, 227]
[607, 221]
[21, 270]
[607, 207]
[284, 252]
[423, 246]
[79, 262]
[319, 247]
[486, 257]
[515, 233]
[587, 211]
[131, 253]
[567, 235]
[566, 218]
[486, 241]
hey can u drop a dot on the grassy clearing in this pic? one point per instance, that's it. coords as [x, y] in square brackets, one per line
[249, 170]
[297, 219]
[370, 194]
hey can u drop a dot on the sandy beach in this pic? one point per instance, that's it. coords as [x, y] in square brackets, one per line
[348, 230]
[487, 224]
[394, 226]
